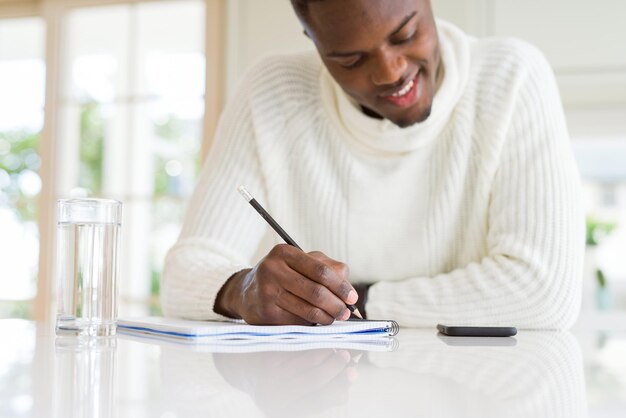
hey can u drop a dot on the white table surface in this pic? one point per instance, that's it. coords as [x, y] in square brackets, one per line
[538, 374]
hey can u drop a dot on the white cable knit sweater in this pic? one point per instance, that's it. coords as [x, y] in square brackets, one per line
[470, 217]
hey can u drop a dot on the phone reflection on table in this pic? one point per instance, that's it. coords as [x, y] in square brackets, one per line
[478, 341]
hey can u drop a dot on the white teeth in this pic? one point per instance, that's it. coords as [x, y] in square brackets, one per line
[404, 90]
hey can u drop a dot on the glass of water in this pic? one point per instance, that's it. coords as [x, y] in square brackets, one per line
[87, 266]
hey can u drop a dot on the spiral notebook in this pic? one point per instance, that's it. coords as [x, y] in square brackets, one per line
[239, 330]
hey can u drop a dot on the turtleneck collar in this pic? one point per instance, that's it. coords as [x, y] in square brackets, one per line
[382, 135]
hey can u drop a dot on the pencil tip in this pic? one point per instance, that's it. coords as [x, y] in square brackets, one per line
[357, 313]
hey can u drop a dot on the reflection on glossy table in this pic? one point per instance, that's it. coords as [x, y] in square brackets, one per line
[537, 374]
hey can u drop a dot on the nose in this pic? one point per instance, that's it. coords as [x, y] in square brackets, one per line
[388, 68]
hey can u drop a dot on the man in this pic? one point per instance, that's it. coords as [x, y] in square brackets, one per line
[430, 171]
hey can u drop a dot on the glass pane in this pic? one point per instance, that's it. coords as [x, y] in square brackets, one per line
[601, 163]
[131, 124]
[93, 150]
[167, 219]
[175, 129]
[22, 81]
[170, 49]
[165, 149]
[95, 67]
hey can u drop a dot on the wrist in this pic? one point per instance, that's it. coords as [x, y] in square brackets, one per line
[228, 300]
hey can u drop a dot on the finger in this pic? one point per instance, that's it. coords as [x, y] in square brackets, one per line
[316, 294]
[303, 309]
[275, 315]
[341, 268]
[290, 277]
[288, 318]
[321, 273]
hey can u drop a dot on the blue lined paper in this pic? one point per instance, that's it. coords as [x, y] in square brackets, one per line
[187, 329]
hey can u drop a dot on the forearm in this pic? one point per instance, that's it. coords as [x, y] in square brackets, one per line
[497, 291]
[192, 278]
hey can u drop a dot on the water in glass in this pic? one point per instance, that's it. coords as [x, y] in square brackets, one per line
[87, 271]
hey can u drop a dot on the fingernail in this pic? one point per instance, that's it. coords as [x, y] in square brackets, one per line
[345, 315]
[352, 297]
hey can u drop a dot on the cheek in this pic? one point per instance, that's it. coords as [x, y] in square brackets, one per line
[355, 83]
[426, 47]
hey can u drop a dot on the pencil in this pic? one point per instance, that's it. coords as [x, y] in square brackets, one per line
[283, 234]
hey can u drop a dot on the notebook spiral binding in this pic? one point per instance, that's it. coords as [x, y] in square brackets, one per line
[394, 328]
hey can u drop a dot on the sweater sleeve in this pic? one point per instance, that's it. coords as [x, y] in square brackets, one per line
[220, 233]
[531, 276]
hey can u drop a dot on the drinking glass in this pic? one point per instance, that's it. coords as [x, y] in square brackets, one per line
[87, 266]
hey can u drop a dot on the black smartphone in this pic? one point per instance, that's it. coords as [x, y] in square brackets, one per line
[463, 331]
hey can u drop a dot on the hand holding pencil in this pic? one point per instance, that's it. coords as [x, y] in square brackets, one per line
[289, 286]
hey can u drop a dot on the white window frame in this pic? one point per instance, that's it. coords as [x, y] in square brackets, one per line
[52, 12]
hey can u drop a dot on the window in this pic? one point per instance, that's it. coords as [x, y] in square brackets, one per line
[123, 84]
[22, 85]
[601, 162]
[131, 109]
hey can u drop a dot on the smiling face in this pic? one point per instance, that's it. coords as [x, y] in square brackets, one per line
[384, 54]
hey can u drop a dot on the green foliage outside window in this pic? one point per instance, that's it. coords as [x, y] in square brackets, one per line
[92, 128]
[597, 230]
[18, 159]
[18, 155]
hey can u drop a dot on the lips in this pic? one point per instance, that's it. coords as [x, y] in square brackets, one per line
[404, 95]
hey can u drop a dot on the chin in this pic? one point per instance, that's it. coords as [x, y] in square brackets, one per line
[408, 120]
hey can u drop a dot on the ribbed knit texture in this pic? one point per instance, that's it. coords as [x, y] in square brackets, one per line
[470, 217]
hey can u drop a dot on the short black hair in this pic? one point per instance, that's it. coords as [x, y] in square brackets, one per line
[302, 6]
